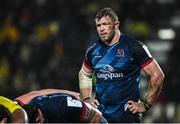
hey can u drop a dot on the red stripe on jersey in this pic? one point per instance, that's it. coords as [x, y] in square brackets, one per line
[20, 102]
[86, 64]
[147, 62]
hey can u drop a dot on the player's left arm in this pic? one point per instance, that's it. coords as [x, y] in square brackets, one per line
[156, 75]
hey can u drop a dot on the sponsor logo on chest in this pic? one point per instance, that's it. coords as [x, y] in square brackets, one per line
[108, 72]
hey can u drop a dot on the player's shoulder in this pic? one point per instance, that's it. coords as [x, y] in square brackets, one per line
[131, 41]
[92, 46]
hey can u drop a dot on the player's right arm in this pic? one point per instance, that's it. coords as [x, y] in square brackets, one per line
[86, 76]
[85, 82]
[85, 85]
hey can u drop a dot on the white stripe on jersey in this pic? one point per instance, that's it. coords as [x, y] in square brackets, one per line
[147, 51]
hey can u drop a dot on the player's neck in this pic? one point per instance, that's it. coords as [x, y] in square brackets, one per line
[116, 38]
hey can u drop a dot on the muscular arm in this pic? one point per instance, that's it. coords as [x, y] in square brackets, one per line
[25, 99]
[154, 88]
[156, 81]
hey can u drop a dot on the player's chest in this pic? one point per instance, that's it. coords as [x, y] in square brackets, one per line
[115, 57]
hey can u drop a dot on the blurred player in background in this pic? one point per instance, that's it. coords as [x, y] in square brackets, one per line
[11, 112]
[116, 61]
[55, 106]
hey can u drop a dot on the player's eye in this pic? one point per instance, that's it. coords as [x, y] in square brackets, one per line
[105, 23]
[98, 25]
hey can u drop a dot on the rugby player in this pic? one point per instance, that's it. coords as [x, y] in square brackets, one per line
[58, 106]
[116, 60]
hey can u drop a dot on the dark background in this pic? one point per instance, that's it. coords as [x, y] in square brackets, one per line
[43, 42]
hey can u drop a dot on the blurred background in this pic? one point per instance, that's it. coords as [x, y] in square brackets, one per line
[43, 42]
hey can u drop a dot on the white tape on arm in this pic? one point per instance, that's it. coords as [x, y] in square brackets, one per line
[85, 79]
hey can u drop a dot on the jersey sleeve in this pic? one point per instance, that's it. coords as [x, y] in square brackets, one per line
[87, 61]
[10, 105]
[141, 54]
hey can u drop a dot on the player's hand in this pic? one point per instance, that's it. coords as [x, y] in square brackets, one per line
[135, 107]
[94, 102]
[77, 95]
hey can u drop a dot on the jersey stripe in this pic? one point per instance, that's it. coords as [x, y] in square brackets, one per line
[146, 63]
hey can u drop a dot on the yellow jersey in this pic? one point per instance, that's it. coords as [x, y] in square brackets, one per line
[9, 104]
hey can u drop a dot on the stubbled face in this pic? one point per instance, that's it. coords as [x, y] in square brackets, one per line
[105, 28]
